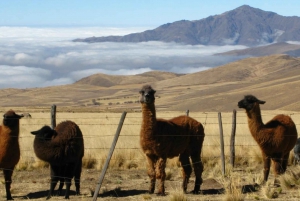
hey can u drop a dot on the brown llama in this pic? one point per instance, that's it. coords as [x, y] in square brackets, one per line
[161, 139]
[63, 148]
[276, 138]
[9, 147]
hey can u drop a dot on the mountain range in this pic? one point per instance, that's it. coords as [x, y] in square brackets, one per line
[244, 25]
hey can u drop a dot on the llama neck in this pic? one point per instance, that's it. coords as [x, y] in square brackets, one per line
[255, 121]
[47, 150]
[149, 119]
[10, 135]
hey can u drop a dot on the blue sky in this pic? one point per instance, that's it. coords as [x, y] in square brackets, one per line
[120, 13]
[36, 48]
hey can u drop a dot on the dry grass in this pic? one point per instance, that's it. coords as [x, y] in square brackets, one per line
[99, 130]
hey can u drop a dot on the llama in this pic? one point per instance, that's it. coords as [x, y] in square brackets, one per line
[161, 139]
[9, 147]
[276, 138]
[297, 152]
[63, 148]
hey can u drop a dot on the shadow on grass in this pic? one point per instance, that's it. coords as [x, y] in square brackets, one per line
[41, 194]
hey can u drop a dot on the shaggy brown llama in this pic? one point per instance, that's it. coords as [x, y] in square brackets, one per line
[9, 147]
[276, 138]
[161, 139]
[63, 148]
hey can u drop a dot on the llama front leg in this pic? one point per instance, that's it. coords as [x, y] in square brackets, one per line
[7, 177]
[54, 180]
[161, 174]
[151, 172]
[267, 164]
[186, 170]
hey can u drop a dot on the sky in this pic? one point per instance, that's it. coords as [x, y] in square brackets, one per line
[36, 48]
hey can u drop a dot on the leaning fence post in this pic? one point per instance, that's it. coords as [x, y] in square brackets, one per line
[109, 156]
[53, 116]
[187, 113]
[232, 139]
[222, 143]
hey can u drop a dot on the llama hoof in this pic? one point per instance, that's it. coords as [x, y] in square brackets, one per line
[195, 192]
[9, 198]
[161, 194]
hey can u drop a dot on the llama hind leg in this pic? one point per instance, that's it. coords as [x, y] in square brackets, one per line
[186, 170]
[161, 174]
[7, 176]
[284, 162]
[151, 172]
[198, 169]
[77, 176]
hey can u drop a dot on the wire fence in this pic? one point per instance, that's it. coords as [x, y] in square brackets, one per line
[99, 130]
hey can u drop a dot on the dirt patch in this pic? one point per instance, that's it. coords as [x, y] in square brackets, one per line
[117, 185]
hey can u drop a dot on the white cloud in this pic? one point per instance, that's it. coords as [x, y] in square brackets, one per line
[50, 50]
[22, 76]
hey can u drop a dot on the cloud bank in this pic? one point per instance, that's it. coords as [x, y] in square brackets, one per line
[39, 57]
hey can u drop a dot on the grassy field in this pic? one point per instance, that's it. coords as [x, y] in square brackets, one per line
[99, 130]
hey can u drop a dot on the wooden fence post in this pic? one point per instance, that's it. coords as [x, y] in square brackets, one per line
[232, 139]
[222, 144]
[53, 116]
[112, 148]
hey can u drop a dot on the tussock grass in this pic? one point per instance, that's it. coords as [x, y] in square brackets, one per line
[291, 179]
[233, 190]
[177, 196]
[88, 161]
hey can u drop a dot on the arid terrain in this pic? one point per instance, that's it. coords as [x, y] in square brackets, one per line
[127, 179]
[275, 79]
[96, 103]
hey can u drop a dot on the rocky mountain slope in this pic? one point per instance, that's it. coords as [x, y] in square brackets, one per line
[244, 25]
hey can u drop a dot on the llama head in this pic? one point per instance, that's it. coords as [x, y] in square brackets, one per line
[11, 119]
[147, 94]
[45, 133]
[249, 102]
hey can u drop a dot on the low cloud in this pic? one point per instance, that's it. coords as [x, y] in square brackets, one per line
[46, 56]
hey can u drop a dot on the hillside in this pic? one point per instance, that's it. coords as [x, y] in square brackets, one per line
[275, 48]
[112, 80]
[244, 25]
[275, 79]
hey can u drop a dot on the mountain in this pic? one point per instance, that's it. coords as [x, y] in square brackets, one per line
[275, 48]
[275, 79]
[244, 25]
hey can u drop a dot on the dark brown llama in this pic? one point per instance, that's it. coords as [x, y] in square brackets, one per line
[161, 139]
[63, 148]
[276, 138]
[9, 147]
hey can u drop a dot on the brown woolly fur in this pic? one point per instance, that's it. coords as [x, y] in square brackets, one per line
[9, 147]
[161, 139]
[276, 138]
[63, 148]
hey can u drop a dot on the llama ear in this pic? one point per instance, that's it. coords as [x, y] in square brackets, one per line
[261, 102]
[34, 132]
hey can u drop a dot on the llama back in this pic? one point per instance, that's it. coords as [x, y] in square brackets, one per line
[69, 132]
